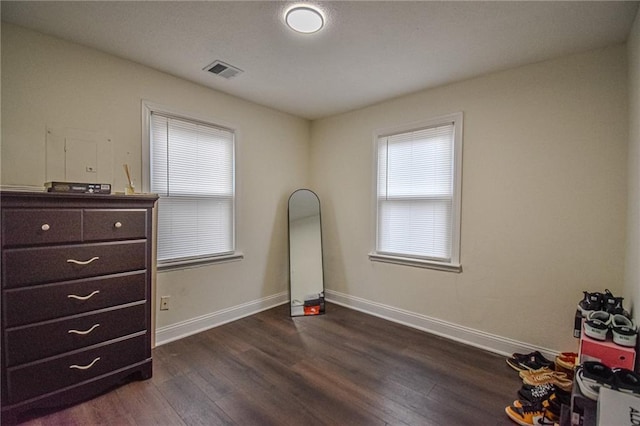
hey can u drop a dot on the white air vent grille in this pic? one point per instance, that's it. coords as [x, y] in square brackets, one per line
[222, 69]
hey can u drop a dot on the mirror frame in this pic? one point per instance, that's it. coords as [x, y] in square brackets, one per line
[321, 299]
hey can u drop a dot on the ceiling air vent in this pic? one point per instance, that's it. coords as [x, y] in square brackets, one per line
[223, 69]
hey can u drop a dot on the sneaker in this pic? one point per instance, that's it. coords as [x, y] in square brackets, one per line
[597, 325]
[532, 361]
[566, 360]
[591, 376]
[546, 376]
[613, 304]
[530, 414]
[552, 404]
[536, 393]
[624, 330]
[591, 302]
[626, 380]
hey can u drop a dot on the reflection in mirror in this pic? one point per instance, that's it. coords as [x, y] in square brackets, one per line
[306, 280]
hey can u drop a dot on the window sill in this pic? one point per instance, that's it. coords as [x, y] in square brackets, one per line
[418, 263]
[195, 263]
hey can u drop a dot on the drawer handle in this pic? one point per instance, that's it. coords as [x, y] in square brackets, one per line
[80, 262]
[85, 367]
[45, 227]
[73, 296]
[118, 225]
[84, 332]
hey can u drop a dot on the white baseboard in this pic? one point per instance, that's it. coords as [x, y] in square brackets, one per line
[469, 336]
[205, 322]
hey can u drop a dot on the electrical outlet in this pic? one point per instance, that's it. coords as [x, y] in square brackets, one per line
[164, 303]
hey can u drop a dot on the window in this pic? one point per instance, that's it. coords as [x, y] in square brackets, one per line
[191, 168]
[418, 194]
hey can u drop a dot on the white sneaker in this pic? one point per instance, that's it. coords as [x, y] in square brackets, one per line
[624, 331]
[597, 325]
[591, 376]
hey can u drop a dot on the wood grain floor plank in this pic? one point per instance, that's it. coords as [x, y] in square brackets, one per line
[192, 405]
[318, 399]
[341, 368]
[147, 406]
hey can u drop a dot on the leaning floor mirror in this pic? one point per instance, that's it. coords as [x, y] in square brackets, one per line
[306, 278]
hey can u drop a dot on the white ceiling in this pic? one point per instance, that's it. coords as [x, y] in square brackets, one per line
[367, 52]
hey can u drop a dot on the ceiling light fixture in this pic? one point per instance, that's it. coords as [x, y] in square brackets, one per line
[304, 19]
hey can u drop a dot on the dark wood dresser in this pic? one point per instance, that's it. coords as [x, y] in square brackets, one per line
[76, 296]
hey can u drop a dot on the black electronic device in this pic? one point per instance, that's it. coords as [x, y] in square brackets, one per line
[78, 188]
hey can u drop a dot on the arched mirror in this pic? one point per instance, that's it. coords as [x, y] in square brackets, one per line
[306, 278]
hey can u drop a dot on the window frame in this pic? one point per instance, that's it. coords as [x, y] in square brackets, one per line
[454, 264]
[147, 109]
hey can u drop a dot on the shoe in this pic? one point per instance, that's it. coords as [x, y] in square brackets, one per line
[591, 376]
[536, 393]
[591, 302]
[552, 404]
[526, 415]
[613, 304]
[597, 325]
[532, 361]
[624, 330]
[626, 380]
[566, 360]
[544, 376]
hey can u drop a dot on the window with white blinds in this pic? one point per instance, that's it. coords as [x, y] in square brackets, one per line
[192, 171]
[418, 193]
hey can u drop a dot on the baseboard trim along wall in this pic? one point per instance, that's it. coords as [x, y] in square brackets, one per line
[205, 322]
[469, 336]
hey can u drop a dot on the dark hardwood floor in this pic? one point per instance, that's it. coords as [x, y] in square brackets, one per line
[341, 368]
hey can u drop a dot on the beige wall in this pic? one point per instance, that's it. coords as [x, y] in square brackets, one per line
[632, 277]
[544, 181]
[49, 82]
[543, 200]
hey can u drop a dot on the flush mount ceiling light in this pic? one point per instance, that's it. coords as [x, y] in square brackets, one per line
[304, 19]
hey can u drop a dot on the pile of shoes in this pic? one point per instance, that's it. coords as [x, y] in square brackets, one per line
[544, 389]
[592, 375]
[604, 313]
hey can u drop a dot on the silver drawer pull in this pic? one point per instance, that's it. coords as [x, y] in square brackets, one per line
[85, 367]
[89, 296]
[118, 225]
[45, 227]
[80, 262]
[84, 332]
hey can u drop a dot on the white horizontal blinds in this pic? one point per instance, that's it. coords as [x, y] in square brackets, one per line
[193, 172]
[415, 193]
[192, 227]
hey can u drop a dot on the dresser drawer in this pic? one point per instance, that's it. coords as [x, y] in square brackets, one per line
[27, 305]
[55, 373]
[29, 343]
[104, 225]
[21, 227]
[23, 267]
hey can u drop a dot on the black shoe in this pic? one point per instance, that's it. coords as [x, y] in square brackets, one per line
[536, 393]
[613, 304]
[532, 361]
[626, 380]
[591, 376]
[590, 302]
